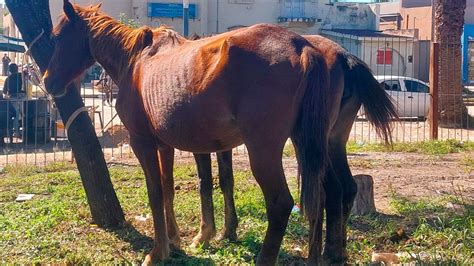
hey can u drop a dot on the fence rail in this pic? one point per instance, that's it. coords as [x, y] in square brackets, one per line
[408, 68]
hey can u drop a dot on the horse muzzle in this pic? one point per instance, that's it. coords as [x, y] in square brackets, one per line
[54, 87]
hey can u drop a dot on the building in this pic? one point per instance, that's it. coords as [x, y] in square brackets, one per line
[417, 15]
[216, 16]
[386, 53]
[414, 14]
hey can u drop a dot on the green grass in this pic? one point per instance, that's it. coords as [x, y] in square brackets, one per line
[467, 163]
[432, 147]
[55, 226]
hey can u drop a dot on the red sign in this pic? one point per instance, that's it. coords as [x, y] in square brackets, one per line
[384, 57]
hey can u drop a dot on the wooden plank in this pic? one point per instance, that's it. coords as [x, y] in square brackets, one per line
[434, 75]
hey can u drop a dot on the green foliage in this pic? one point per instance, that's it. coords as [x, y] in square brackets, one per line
[128, 21]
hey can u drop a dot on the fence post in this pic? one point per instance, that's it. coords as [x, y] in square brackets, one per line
[434, 75]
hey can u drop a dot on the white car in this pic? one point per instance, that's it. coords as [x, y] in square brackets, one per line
[411, 96]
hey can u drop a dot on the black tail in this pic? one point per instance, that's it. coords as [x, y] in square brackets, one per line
[310, 135]
[378, 107]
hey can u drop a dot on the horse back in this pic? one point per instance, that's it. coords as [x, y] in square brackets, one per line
[229, 82]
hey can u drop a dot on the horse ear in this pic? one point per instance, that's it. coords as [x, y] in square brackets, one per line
[69, 10]
[148, 37]
[98, 6]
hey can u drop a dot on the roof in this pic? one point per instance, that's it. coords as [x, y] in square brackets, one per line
[390, 77]
[10, 44]
[362, 33]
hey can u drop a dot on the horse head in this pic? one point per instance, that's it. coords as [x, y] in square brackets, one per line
[72, 53]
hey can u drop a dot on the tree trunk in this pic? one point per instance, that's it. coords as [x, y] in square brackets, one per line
[364, 200]
[32, 16]
[448, 27]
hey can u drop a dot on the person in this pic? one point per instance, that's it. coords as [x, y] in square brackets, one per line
[6, 62]
[13, 89]
[107, 85]
[7, 113]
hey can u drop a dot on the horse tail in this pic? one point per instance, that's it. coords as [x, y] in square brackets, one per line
[378, 107]
[310, 134]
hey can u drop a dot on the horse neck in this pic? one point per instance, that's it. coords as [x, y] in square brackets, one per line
[111, 47]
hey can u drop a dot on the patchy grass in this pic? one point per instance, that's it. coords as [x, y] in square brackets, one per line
[467, 163]
[55, 226]
[431, 147]
[435, 231]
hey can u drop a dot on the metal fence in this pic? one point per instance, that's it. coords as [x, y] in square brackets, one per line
[33, 133]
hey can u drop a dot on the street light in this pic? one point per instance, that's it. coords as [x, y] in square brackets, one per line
[185, 18]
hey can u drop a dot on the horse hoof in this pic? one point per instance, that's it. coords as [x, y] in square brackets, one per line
[175, 244]
[231, 236]
[334, 260]
[157, 255]
[203, 238]
[148, 261]
[199, 242]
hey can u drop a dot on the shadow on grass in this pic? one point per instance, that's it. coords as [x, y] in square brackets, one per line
[142, 243]
[253, 244]
[373, 221]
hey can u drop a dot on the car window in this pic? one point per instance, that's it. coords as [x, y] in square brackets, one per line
[414, 86]
[391, 85]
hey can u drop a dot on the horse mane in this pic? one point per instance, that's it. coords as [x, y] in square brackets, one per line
[169, 33]
[110, 35]
[165, 37]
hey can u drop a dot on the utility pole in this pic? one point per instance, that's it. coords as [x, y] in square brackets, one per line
[217, 16]
[185, 18]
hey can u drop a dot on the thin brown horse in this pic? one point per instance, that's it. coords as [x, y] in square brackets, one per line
[360, 88]
[256, 86]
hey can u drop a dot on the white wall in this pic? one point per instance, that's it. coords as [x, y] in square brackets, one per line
[111, 7]
[401, 49]
[231, 13]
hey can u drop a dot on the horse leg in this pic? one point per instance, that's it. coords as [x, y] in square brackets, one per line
[166, 159]
[226, 182]
[146, 152]
[266, 165]
[346, 187]
[334, 222]
[349, 188]
[207, 228]
[316, 233]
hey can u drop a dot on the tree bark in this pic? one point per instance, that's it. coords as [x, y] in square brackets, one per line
[32, 16]
[364, 201]
[448, 27]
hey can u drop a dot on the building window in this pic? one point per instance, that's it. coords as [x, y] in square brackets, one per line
[384, 57]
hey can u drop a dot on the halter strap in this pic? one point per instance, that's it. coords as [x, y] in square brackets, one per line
[73, 117]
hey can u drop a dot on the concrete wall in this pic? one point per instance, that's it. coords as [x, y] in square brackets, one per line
[215, 16]
[419, 15]
[401, 49]
[112, 7]
[10, 29]
[417, 18]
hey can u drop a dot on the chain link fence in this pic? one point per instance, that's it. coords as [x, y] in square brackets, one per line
[32, 132]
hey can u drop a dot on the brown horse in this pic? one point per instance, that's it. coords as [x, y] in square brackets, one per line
[255, 86]
[359, 88]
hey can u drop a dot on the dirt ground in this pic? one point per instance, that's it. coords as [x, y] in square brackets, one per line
[415, 176]
[410, 175]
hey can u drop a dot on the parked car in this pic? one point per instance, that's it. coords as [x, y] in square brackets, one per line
[410, 96]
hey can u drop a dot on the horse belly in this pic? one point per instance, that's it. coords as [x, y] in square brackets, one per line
[203, 137]
[197, 126]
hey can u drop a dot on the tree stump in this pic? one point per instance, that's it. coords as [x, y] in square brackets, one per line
[364, 200]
